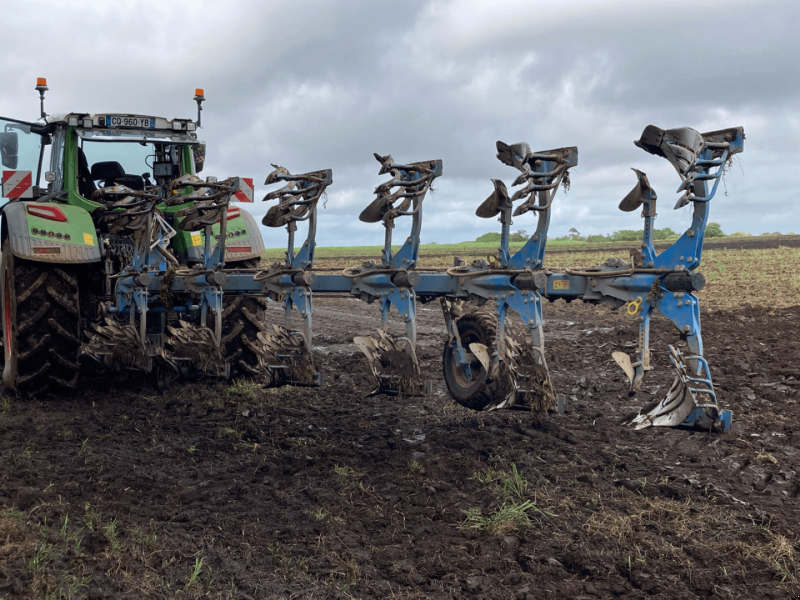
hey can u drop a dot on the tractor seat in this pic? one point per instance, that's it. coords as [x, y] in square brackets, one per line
[112, 173]
[135, 182]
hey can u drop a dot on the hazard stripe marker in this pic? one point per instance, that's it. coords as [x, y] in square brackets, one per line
[245, 193]
[17, 184]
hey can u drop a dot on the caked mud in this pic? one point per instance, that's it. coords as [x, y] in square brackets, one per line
[150, 487]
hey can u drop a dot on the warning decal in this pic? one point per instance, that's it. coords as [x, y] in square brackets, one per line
[245, 193]
[17, 184]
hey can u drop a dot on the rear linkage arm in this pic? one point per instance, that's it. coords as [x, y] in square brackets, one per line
[134, 213]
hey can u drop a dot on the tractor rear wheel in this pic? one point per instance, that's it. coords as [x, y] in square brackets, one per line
[478, 392]
[242, 319]
[41, 324]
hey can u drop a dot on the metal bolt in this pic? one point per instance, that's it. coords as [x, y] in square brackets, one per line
[681, 258]
[593, 282]
[686, 328]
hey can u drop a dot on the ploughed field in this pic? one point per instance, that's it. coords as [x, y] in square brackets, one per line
[147, 487]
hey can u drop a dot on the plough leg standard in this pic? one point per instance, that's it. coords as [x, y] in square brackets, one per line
[138, 271]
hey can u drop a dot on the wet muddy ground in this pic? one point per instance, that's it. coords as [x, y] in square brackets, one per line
[153, 488]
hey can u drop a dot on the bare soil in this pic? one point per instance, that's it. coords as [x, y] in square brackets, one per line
[145, 487]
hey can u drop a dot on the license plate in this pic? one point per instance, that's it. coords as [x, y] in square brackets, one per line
[133, 122]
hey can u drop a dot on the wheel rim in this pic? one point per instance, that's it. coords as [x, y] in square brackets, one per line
[475, 365]
[7, 313]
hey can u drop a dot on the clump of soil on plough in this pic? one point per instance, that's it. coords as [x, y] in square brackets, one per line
[155, 488]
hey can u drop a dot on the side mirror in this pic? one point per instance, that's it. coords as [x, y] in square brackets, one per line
[199, 152]
[9, 149]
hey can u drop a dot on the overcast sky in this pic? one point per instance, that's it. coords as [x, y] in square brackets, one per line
[312, 85]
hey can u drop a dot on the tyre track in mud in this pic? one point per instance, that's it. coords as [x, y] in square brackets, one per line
[322, 493]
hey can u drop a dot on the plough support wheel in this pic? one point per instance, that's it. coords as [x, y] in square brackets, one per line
[478, 333]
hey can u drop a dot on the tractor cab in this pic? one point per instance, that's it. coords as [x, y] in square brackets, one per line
[71, 158]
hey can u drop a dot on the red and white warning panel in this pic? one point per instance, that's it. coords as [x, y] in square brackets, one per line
[245, 193]
[18, 184]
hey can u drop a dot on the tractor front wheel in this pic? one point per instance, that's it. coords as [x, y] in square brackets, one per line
[41, 324]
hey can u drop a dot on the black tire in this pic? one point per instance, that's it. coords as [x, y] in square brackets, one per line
[480, 327]
[41, 324]
[247, 263]
[242, 319]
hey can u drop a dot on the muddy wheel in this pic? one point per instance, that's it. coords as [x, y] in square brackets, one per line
[41, 324]
[479, 392]
[248, 263]
[242, 319]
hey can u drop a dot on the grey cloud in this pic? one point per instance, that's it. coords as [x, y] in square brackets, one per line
[316, 84]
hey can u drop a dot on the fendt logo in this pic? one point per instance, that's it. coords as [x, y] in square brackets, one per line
[17, 184]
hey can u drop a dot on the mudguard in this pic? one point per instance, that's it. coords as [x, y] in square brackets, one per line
[35, 238]
[237, 248]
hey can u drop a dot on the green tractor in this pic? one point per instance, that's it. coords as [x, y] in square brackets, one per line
[98, 200]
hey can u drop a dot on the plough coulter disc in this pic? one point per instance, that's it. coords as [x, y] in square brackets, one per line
[394, 364]
[41, 324]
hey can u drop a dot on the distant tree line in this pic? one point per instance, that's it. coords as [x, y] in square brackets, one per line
[624, 235]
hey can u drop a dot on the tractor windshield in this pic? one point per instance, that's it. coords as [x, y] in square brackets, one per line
[136, 164]
[124, 159]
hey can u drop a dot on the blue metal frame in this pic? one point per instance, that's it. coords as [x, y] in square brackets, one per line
[517, 282]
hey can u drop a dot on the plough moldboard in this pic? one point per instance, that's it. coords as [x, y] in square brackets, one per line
[484, 368]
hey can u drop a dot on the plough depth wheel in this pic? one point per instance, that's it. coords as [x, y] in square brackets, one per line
[477, 392]
[41, 324]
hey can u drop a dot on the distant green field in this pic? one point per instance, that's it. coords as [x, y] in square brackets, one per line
[481, 249]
